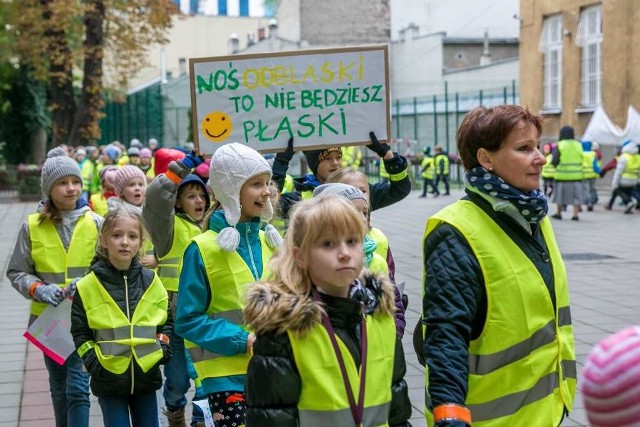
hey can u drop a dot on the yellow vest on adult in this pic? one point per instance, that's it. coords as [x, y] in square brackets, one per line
[588, 157]
[445, 166]
[570, 166]
[229, 278]
[351, 157]
[51, 262]
[323, 397]
[428, 172]
[118, 339]
[522, 368]
[382, 242]
[548, 170]
[168, 266]
[632, 167]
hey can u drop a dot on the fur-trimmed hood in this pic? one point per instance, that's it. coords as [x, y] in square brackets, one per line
[273, 308]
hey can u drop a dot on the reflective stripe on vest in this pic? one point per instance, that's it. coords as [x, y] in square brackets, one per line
[118, 339]
[427, 173]
[525, 346]
[588, 157]
[570, 166]
[168, 265]
[632, 167]
[229, 278]
[381, 240]
[323, 399]
[548, 170]
[51, 262]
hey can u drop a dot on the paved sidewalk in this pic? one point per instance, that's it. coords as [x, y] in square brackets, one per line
[600, 253]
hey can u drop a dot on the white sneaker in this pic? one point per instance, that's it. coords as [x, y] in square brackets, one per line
[630, 207]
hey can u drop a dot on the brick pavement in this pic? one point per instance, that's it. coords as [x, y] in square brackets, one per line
[604, 298]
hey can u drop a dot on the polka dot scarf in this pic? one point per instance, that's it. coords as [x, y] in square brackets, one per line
[532, 205]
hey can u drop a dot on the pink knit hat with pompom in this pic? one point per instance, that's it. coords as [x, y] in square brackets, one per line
[125, 174]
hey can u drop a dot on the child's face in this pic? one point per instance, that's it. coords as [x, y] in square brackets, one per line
[65, 192]
[334, 262]
[332, 163]
[134, 160]
[358, 181]
[362, 207]
[192, 201]
[253, 196]
[145, 161]
[122, 242]
[133, 191]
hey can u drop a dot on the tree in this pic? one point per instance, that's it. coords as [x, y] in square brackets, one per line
[67, 43]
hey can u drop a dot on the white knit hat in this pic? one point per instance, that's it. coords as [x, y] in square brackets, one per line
[231, 166]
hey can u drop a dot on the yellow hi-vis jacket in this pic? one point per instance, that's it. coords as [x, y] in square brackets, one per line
[323, 398]
[445, 167]
[52, 263]
[548, 170]
[570, 166]
[522, 368]
[588, 158]
[382, 243]
[351, 156]
[118, 339]
[168, 266]
[429, 171]
[632, 167]
[229, 277]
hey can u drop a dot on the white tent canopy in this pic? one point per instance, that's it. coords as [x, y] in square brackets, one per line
[603, 131]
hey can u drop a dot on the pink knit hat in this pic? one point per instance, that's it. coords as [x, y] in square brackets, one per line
[611, 380]
[125, 174]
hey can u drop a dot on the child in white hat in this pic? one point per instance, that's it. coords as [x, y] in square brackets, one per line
[55, 246]
[217, 268]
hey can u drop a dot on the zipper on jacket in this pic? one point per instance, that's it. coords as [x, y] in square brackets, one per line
[253, 261]
[126, 301]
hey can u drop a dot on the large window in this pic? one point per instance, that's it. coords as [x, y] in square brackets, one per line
[589, 38]
[551, 47]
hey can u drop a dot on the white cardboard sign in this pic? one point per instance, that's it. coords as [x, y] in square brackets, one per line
[319, 97]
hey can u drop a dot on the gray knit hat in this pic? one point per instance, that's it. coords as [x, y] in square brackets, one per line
[347, 191]
[58, 165]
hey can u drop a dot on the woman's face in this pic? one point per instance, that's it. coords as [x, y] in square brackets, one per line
[518, 160]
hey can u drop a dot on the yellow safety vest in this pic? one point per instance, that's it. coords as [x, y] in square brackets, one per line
[445, 166]
[229, 279]
[52, 263]
[168, 265]
[306, 194]
[351, 157]
[570, 166]
[548, 170]
[99, 204]
[288, 185]
[323, 399]
[522, 368]
[378, 265]
[632, 167]
[382, 243]
[118, 339]
[587, 165]
[427, 173]
[87, 171]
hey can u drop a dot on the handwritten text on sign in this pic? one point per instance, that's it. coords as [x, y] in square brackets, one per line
[319, 97]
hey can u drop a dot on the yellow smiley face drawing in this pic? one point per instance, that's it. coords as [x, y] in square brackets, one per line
[217, 126]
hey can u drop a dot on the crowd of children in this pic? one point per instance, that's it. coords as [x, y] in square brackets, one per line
[160, 251]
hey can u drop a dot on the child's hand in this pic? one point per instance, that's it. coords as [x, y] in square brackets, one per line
[149, 261]
[250, 340]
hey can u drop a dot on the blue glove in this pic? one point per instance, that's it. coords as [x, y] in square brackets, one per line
[192, 160]
[49, 293]
[376, 146]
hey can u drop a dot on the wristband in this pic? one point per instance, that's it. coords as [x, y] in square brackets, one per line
[33, 287]
[172, 176]
[452, 411]
[163, 338]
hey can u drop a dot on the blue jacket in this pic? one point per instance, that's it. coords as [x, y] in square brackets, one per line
[194, 295]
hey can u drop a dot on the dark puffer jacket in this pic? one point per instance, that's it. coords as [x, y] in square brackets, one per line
[271, 313]
[103, 382]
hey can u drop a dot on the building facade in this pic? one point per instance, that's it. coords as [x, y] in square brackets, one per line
[577, 56]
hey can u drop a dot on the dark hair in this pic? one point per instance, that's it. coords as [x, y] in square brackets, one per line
[488, 127]
[109, 222]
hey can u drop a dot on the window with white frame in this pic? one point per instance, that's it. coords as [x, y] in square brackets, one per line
[589, 38]
[551, 47]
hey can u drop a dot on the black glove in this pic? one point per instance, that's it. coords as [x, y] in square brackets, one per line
[602, 174]
[287, 154]
[192, 160]
[166, 352]
[376, 146]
